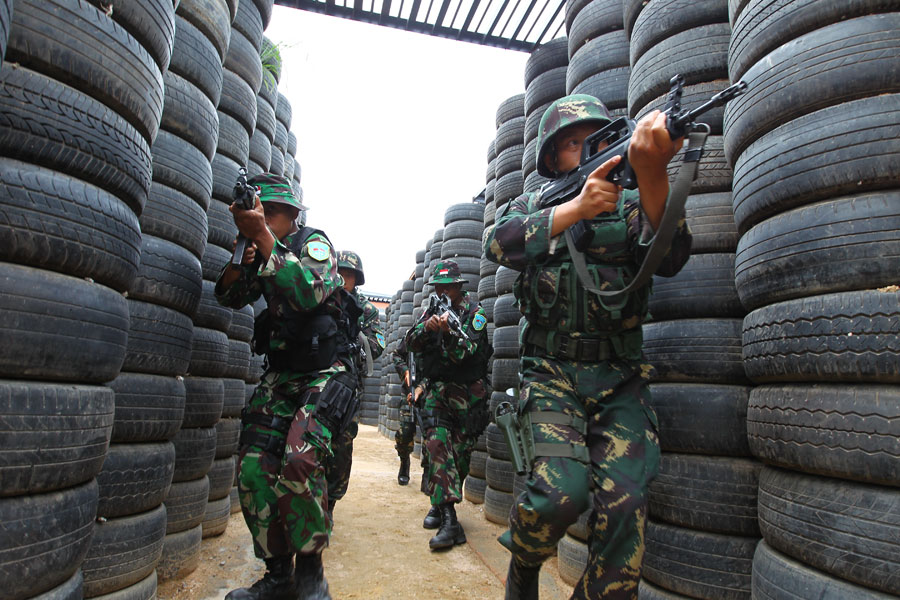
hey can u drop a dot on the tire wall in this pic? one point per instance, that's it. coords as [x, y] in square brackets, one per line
[814, 269]
[81, 133]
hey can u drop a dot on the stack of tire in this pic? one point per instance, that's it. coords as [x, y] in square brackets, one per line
[598, 52]
[545, 82]
[813, 143]
[390, 378]
[5, 18]
[263, 136]
[433, 258]
[81, 98]
[394, 396]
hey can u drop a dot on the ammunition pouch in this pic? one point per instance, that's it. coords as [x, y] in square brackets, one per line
[477, 419]
[434, 418]
[266, 442]
[262, 332]
[312, 344]
[338, 403]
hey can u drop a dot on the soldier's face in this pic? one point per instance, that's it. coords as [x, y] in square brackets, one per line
[568, 143]
[453, 291]
[280, 218]
[349, 276]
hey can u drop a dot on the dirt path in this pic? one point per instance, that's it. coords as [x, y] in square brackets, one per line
[379, 549]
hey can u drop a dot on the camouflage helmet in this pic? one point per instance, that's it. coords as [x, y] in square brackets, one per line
[568, 110]
[275, 188]
[446, 271]
[352, 261]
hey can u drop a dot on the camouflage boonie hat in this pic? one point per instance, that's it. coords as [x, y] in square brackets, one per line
[275, 188]
[568, 110]
[352, 261]
[446, 271]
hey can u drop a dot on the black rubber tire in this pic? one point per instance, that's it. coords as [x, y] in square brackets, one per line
[761, 27]
[189, 114]
[260, 148]
[270, 55]
[276, 164]
[648, 591]
[506, 311]
[506, 341]
[249, 22]
[661, 20]
[840, 150]
[470, 229]
[713, 173]
[463, 211]
[499, 474]
[238, 101]
[180, 165]
[474, 489]
[478, 463]
[213, 18]
[215, 519]
[595, 19]
[44, 538]
[845, 529]
[47, 123]
[204, 400]
[268, 90]
[512, 107]
[495, 441]
[238, 359]
[221, 477]
[181, 554]
[848, 336]
[703, 288]
[698, 564]
[152, 23]
[284, 114]
[57, 327]
[572, 559]
[243, 60]
[847, 431]
[172, 216]
[454, 248]
[549, 55]
[265, 10]
[195, 58]
[241, 327]
[509, 135]
[699, 54]
[234, 397]
[123, 551]
[222, 230]
[159, 340]
[55, 435]
[511, 159]
[695, 350]
[51, 38]
[610, 87]
[169, 276]
[233, 140]
[702, 418]
[228, 434]
[149, 408]
[209, 353]
[835, 64]
[5, 18]
[712, 223]
[504, 279]
[195, 450]
[265, 118]
[846, 244]
[546, 87]
[707, 493]
[145, 589]
[210, 313]
[508, 187]
[70, 589]
[605, 52]
[44, 219]
[186, 504]
[533, 121]
[497, 505]
[135, 478]
[777, 576]
[224, 174]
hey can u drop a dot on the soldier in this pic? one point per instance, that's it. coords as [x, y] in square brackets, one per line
[584, 395]
[302, 399]
[404, 438]
[454, 402]
[371, 346]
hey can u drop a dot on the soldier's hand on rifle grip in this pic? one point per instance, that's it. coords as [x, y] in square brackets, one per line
[445, 322]
[433, 323]
[598, 195]
[251, 223]
[249, 252]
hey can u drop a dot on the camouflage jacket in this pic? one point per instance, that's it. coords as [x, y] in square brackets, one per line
[400, 360]
[370, 325]
[447, 356]
[291, 282]
[548, 290]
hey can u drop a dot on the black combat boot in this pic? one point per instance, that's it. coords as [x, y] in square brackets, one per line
[309, 579]
[433, 518]
[522, 581]
[276, 584]
[403, 475]
[451, 532]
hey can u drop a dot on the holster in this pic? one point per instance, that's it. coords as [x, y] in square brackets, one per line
[338, 403]
[266, 442]
[477, 419]
[518, 435]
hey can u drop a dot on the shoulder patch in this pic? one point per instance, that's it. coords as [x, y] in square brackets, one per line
[318, 250]
[380, 339]
[479, 321]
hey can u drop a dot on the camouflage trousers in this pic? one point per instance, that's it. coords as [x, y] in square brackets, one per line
[284, 498]
[447, 445]
[337, 468]
[404, 438]
[616, 430]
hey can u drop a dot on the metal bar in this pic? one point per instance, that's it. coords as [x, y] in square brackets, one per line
[357, 7]
[549, 24]
[524, 18]
[497, 20]
[511, 13]
[385, 10]
[536, 20]
[456, 13]
[441, 14]
[469, 16]
[412, 14]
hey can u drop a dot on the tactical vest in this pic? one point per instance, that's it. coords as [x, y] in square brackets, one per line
[435, 366]
[556, 304]
[315, 339]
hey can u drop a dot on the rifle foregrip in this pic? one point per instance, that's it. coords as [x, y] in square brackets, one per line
[239, 248]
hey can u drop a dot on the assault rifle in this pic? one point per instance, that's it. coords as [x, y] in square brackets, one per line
[244, 196]
[411, 383]
[617, 136]
[438, 305]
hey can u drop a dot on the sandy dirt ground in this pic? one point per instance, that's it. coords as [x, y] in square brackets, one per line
[378, 549]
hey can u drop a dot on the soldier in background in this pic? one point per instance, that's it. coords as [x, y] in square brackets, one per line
[584, 400]
[371, 346]
[300, 403]
[454, 404]
[404, 438]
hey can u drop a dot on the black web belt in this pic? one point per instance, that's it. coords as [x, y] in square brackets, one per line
[570, 348]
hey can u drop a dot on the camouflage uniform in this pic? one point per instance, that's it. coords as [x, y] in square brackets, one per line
[338, 467]
[404, 438]
[584, 381]
[283, 498]
[452, 396]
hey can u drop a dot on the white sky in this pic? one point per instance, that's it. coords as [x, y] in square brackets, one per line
[392, 128]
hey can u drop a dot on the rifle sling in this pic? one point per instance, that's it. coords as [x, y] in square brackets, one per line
[664, 233]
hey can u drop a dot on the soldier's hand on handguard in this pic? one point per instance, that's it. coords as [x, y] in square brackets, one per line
[649, 152]
[251, 223]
